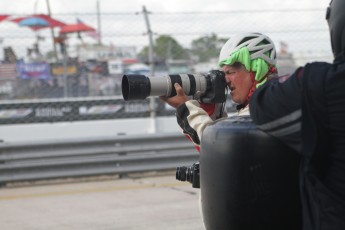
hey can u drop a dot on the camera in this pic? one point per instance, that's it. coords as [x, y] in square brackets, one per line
[190, 174]
[207, 88]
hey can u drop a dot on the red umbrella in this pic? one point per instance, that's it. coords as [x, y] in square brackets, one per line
[51, 21]
[3, 17]
[75, 28]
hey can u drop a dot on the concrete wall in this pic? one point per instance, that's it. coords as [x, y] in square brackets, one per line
[63, 130]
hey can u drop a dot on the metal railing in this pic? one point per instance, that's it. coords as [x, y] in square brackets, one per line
[28, 161]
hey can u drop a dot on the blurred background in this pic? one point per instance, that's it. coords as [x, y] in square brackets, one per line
[48, 55]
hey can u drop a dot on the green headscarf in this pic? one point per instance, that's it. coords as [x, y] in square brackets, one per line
[258, 65]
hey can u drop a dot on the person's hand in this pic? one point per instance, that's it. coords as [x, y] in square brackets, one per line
[177, 100]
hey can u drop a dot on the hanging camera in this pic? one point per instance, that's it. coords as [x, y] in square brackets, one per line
[190, 174]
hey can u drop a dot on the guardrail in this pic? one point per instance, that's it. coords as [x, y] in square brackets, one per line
[28, 161]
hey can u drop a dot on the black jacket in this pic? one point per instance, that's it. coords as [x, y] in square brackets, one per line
[307, 112]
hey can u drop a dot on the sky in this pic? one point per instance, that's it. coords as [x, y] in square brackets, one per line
[88, 6]
[221, 23]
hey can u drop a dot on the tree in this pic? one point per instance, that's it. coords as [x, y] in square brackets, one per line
[165, 48]
[207, 47]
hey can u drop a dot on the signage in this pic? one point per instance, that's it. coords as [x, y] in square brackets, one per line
[77, 110]
[39, 70]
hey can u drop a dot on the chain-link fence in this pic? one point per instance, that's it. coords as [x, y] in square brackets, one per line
[40, 82]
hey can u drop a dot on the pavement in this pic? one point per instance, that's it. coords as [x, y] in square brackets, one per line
[139, 202]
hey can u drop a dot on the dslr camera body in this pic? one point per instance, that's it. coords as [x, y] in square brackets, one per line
[190, 174]
[207, 88]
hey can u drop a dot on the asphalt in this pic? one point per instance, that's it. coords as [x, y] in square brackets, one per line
[140, 202]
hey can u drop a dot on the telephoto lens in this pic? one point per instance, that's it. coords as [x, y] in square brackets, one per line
[139, 87]
[207, 88]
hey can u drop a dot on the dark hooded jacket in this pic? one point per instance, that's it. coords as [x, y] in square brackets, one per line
[307, 112]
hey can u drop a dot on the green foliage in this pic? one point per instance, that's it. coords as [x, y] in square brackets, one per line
[165, 48]
[50, 55]
[168, 48]
[207, 47]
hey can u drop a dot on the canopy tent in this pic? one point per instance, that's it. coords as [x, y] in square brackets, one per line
[3, 17]
[34, 21]
[37, 21]
[76, 28]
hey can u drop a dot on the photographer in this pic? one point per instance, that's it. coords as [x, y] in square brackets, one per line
[307, 112]
[247, 61]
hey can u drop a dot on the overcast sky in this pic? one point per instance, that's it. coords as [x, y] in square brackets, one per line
[88, 6]
[272, 15]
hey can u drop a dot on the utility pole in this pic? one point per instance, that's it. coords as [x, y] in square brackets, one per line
[64, 55]
[99, 23]
[52, 32]
[151, 64]
[149, 33]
